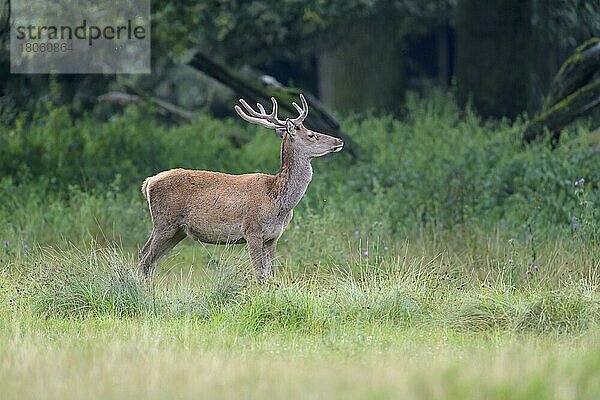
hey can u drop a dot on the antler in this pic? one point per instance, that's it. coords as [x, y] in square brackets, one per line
[261, 118]
[303, 111]
[271, 120]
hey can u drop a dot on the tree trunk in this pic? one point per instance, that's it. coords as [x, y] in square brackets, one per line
[493, 60]
[365, 70]
[443, 56]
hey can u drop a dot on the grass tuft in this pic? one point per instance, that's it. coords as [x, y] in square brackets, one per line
[76, 283]
[100, 281]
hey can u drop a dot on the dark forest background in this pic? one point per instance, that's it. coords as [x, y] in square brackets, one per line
[500, 56]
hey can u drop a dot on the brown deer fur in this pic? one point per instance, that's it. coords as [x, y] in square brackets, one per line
[218, 208]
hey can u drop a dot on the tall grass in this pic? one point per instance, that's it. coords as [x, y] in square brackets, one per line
[408, 291]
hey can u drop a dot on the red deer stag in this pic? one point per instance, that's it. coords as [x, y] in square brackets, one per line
[218, 208]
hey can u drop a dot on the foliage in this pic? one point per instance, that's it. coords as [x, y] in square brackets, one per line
[261, 30]
[436, 168]
[566, 22]
[258, 31]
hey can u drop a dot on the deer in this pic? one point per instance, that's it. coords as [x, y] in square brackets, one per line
[219, 208]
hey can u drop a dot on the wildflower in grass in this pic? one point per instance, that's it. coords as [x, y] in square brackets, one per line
[385, 248]
[356, 233]
[536, 267]
[26, 247]
[5, 242]
[574, 225]
[579, 182]
[366, 253]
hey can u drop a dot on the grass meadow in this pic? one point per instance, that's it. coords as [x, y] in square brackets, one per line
[448, 261]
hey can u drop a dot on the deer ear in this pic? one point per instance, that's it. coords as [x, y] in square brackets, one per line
[290, 127]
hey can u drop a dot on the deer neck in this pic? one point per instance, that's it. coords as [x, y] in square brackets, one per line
[293, 178]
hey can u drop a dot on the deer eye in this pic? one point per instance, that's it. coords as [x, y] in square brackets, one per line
[312, 136]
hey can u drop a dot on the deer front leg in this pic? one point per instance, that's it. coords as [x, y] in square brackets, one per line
[269, 251]
[257, 254]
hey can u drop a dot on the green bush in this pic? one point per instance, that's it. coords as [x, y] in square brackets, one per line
[437, 168]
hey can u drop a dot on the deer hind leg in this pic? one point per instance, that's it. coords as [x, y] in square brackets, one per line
[161, 241]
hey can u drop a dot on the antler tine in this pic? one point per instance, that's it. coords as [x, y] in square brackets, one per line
[303, 111]
[273, 116]
[261, 108]
[254, 120]
[251, 110]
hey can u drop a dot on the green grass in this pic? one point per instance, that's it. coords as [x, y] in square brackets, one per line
[78, 323]
[447, 262]
[165, 358]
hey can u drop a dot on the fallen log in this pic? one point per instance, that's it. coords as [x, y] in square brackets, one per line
[575, 72]
[318, 119]
[574, 92]
[579, 103]
[172, 111]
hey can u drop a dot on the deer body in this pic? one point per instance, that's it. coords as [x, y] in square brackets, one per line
[218, 208]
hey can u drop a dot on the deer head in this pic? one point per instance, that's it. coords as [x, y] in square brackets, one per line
[303, 141]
